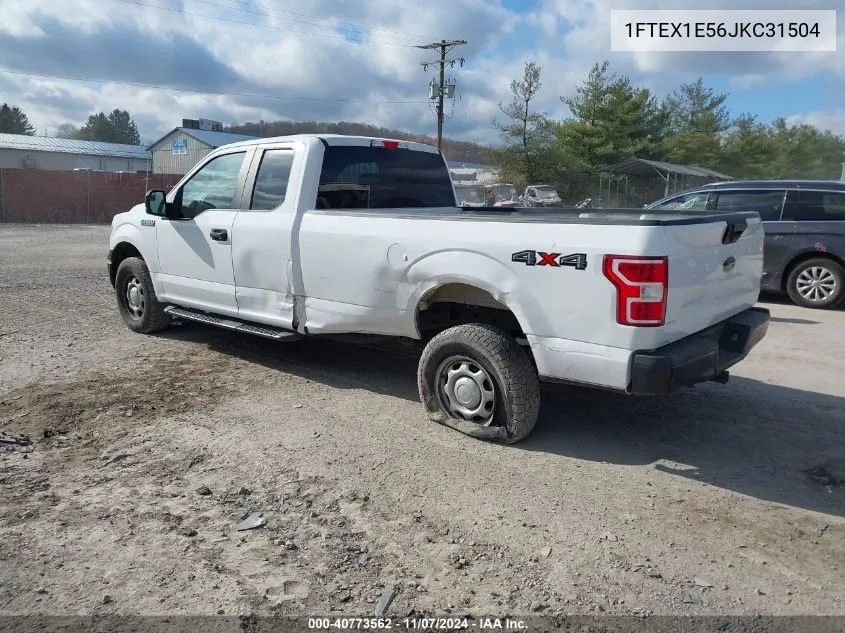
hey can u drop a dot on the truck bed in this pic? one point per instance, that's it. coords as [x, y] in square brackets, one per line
[559, 215]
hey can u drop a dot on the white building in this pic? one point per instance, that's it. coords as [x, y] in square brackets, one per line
[183, 147]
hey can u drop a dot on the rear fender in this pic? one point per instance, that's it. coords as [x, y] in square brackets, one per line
[470, 268]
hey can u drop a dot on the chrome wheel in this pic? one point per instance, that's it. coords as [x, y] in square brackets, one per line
[466, 390]
[135, 297]
[816, 284]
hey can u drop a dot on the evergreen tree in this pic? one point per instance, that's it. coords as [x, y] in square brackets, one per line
[123, 127]
[14, 121]
[697, 119]
[116, 127]
[747, 150]
[611, 120]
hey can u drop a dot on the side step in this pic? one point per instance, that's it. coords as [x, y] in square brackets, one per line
[266, 331]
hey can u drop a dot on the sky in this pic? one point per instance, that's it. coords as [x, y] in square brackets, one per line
[355, 60]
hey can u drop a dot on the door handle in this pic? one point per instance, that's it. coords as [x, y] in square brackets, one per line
[219, 235]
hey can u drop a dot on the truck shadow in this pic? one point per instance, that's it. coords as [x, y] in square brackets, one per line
[767, 441]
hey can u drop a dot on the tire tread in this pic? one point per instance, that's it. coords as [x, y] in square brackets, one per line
[156, 319]
[521, 383]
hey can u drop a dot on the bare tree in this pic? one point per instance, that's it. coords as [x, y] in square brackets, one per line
[67, 130]
[523, 130]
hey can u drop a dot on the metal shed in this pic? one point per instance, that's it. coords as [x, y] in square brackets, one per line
[44, 152]
[668, 173]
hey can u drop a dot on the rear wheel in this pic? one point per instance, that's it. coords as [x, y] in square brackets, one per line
[479, 381]
[136, 297]
[817, 283]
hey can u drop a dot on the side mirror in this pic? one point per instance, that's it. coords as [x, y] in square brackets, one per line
[155, 202]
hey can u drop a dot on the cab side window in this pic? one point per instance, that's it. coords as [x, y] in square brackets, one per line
[213, 187]
[819, 206]
[768, 203]
[696, 201]
[271, 183]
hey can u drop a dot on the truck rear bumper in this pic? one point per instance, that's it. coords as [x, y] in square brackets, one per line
[703, 356]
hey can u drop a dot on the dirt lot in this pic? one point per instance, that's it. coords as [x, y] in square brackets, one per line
[147, 451]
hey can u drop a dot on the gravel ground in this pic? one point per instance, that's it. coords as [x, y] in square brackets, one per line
[148, 450]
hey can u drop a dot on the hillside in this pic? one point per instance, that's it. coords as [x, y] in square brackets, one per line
[454, 150]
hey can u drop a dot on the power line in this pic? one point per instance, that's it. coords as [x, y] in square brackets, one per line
[206, 92]
[463, 105]
[258, 10]
[253, 24]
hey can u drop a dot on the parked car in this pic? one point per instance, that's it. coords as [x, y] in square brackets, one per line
[540, 196]
[469, 195]
[501, 195]
[804, 221]
[337, 235]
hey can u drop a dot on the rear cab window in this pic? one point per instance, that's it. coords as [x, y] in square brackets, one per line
[767, 202]
[363, 177]
[815, 206]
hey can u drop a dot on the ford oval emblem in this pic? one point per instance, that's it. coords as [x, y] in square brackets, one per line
[729, 264]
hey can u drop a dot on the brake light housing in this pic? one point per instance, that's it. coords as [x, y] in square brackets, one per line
[642, 286]
[386, 144]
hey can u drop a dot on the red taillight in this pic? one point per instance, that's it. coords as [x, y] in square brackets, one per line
[641, 286]
[385, 144]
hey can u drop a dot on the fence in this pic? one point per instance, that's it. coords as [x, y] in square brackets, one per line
[68, 197]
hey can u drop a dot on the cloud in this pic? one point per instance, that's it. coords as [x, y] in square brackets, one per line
[328, 60]
[584, 29]
[833, 120]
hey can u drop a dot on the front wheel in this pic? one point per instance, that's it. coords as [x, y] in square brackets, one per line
[478, 380]
[136, 297]
[817, 283]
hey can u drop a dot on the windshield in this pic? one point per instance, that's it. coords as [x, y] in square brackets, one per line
[696, 201]
[546, 192]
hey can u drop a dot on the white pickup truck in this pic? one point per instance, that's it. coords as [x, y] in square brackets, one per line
[324, 235]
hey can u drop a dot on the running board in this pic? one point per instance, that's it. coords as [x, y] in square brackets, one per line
[266, 331]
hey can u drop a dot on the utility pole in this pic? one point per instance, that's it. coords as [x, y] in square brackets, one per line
[440, 88]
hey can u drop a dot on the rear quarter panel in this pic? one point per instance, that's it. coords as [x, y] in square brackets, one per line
[367, 271]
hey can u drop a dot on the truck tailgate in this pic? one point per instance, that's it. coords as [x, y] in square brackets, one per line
[714, 272]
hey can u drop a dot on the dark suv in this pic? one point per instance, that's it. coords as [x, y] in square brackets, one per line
[804, 222]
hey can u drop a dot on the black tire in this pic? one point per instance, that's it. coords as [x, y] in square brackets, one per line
[142, 313]
[821, 269]
[514, 382]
